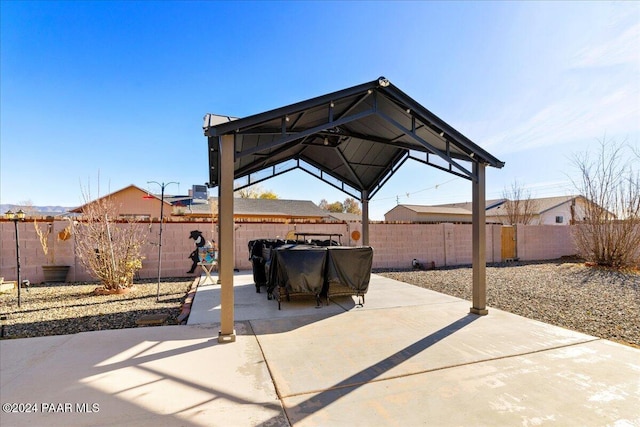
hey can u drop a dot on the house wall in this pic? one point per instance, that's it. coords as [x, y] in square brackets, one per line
[131, 201]
[400, 213]
[549, 217]
[564, 210]
[404, 214]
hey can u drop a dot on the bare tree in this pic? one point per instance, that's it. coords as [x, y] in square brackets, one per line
[27, 207]
[519, 207]
[610, 233]
[109, 249]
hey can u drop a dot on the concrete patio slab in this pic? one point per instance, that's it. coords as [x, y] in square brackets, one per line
[151, 376]
[408, 357]
[591, 384]
[250, 305]
[306, 354]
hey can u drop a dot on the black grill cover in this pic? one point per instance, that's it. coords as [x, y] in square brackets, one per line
[349, 266]
[298, 268]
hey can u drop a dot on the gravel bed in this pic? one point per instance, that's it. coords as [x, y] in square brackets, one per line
[69, 308]
[595, 301]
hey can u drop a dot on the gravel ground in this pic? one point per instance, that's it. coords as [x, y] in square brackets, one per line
[65, 308]
[597, 302]
[594, 301]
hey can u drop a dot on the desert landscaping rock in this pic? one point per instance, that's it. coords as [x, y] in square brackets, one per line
[69, 308]
[595, 301]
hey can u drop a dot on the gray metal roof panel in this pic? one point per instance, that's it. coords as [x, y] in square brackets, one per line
[357, 136]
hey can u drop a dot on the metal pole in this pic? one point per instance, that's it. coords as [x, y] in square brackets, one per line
[162, 186]
[160, 242]
[15, 222]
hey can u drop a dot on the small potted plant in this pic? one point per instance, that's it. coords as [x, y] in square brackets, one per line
[52, 271]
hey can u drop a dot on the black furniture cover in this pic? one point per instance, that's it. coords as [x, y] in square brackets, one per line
[350, 267]
[298, 269]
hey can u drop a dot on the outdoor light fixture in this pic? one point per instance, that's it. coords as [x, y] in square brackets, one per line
[162, 186]
[15, 217]
[382, 81]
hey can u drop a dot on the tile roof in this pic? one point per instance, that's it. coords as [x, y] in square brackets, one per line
[266, 207]
[437, 209]
[542, 205]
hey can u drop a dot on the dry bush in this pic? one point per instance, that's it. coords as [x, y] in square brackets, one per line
[610, 232]
[108, 248]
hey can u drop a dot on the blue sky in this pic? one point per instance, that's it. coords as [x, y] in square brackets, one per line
[107, 94]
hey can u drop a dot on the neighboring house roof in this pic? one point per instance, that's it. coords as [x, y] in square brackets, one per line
[547, 203]
[468, 205]
[265, 207]
[182, 200]
[541, 205]
[345, 216]
[242, 207]
[422, 209]
[494, 208]
[80, 209]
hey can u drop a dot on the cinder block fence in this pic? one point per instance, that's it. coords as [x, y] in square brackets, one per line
[395, 245]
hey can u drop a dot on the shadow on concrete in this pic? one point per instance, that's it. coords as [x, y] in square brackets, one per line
[122, 376]
[370, 374]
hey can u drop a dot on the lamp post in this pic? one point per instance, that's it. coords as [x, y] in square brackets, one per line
[15, 217]
[162, 186]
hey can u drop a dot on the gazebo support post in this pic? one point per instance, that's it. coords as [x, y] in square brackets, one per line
[226, 260]
[479, 236]
[365, 218]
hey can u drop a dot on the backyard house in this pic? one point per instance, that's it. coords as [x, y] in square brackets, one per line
[563, 210]
[134, 202]
[260, 210]
[428, 214]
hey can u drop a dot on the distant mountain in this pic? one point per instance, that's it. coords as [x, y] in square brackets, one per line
[44, 210]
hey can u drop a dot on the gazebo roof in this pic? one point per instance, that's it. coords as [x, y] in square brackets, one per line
[354, 139]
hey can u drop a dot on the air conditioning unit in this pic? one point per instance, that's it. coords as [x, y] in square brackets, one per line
[199, 192]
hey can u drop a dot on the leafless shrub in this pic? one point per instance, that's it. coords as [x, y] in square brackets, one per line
[108, 248]
[610, 232]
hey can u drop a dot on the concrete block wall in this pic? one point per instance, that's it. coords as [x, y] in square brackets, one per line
[32, 256]
[539, 242]
[395, 245]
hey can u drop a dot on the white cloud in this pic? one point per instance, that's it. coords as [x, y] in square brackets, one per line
[596, 92]
[616, 49]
